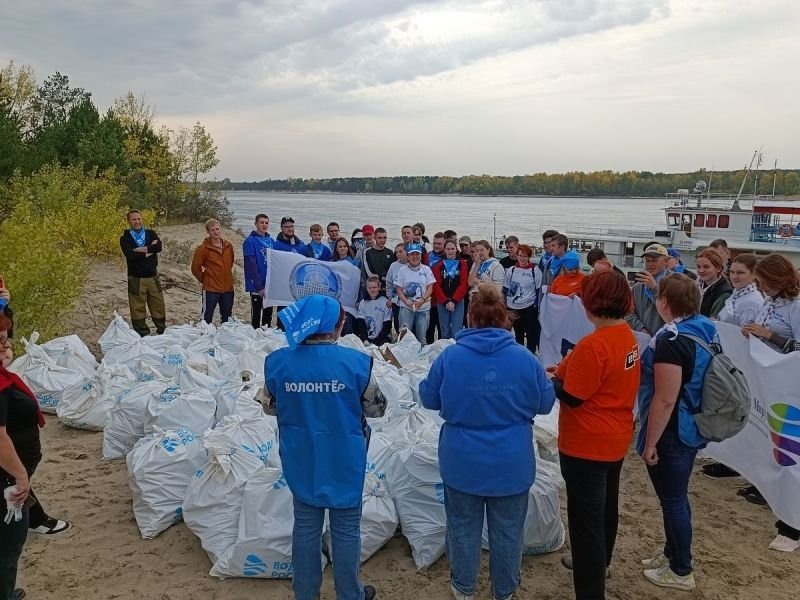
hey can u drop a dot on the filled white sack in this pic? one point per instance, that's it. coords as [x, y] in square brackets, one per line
[175, 408]
[160, 467]
[70, 352]
[118, 333]
[90, 406]
[126, 422]
[256, 434]
[213, 501]
[263, 546]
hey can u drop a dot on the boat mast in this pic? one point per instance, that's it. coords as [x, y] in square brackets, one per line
[746, 173]
[494, 229]
[774, 177]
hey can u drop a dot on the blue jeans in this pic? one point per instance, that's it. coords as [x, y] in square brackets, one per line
[505, 517]
[450, 323]
[416, 321]
[670, 479]
[307, 550]
[12, 539]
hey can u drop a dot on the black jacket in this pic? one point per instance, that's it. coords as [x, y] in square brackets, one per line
[376, 262]
[138, 264]
[709, 305]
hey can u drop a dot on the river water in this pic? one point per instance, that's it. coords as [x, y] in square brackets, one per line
[525, 217]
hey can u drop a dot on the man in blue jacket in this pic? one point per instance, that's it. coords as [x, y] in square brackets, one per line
[254, 249]
[318, 387]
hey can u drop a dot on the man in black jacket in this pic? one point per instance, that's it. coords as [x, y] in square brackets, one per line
[141, 247]
[377, 260]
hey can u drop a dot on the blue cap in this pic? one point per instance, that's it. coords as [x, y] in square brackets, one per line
[674, 252]
[571, 260]
[411, 248]
[308, 316]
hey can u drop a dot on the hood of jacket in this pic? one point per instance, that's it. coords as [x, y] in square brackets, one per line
[485, 340]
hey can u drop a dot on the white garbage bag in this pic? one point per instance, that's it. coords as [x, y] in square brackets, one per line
[544, 529]
[190, 379]
[183, 334]
[173, 359]
[213, 501]
[252, 357]
[160, 343]
[415, 484]
[242, 397]
[388, 395]
[432, 351]
[160, 467]
[352, 341]
[89, 407]
[263, 546]
[270, 339]
[234, 335]
[416, 373]
[175, 408]
[136, 355]
[70, 352]
[207, 364]
[257, 435]
[45, 378]
[118, 333]
[406, 351]
[126, 422]
[379, 518]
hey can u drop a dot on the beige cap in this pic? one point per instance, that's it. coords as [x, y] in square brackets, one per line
[655, 250]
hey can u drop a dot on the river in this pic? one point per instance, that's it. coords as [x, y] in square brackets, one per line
[525, 217]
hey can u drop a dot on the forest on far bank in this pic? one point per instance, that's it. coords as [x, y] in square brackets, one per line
[576, 183]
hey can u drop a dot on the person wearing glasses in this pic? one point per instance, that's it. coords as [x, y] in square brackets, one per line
[286, 240]
[333, 234]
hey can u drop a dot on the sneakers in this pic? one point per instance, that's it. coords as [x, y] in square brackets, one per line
[658, 561]
[664, 577]
[369, 592]
[718, 470]
[567, 562]
[459, 596]
[18, 594]
[784, 544]
[52, 526]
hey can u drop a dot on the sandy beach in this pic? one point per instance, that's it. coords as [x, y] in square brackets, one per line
[104, 557]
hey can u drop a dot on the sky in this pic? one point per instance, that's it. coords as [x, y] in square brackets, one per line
[328, 88]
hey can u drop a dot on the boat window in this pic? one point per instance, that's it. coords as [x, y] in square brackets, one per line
[724, 221]
[711, 220]
[673, 219]
[699, 220]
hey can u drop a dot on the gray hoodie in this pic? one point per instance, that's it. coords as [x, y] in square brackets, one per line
[644, 315]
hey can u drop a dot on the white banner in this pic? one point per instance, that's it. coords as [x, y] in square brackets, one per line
[291, 276]
[564, 323]
[767, 451]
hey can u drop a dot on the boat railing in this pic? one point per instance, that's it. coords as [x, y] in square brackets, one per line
[590, 232]
[726, 202]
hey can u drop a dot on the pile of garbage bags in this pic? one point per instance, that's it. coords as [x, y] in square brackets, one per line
[187, 410]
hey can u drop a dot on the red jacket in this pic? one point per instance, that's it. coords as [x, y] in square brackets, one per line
[445, 291]
[12, 380]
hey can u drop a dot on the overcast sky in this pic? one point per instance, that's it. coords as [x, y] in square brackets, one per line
[321, 88]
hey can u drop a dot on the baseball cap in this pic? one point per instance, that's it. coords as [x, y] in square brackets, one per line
[464, 239]
[412, 248]
[655, 250]
[286, 220]
[674, 252]
[571, 260]
[368, 230]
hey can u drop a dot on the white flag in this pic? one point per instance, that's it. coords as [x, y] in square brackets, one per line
[291, 276]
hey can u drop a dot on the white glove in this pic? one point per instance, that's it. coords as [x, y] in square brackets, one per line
[14, 511]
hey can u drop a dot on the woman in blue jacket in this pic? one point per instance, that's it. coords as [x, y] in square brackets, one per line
[488, 389]
[318, 386]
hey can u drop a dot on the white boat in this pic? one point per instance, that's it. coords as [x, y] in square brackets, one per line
[761, 224]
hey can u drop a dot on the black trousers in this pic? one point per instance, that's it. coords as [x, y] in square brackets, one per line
[433, 326]
[790, 532]
[526, 328]
[12, 539]
[258, 314]
[593, 514]
[210, 302]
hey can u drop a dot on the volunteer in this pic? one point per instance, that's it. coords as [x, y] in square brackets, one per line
[743, 305]
[486, 268]
[521, 286]
[488, 389]
[452, 277]
[254, 250]
[568, 280]
[597, 385]
[316, 248]
[212, 266]
[318, 387]
[401, 259]
[672, 382]
[414, 287]
[645, 317]
[343, 251]
[714, 287]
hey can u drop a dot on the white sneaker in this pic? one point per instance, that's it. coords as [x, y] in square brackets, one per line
[664, 577]
[784, 544]
[656, 562]
[459, 595]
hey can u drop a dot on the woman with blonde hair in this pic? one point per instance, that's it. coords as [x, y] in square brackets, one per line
[714, 287]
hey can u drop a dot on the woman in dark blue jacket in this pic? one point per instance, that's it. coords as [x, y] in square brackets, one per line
[488, 389]
[318, 386]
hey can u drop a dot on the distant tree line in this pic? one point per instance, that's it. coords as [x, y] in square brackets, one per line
[575, 183]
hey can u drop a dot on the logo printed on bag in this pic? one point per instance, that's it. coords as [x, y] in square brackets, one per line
[178, 515]
[47, 400]
[784, 421]
[170, 444]
[280, 483]
[439, 488]
[254, 566]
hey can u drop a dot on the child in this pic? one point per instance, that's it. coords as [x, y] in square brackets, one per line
[374, 314]
[317, 249]
[568, 282]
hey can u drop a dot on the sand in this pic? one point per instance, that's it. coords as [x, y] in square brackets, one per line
[104, 557]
